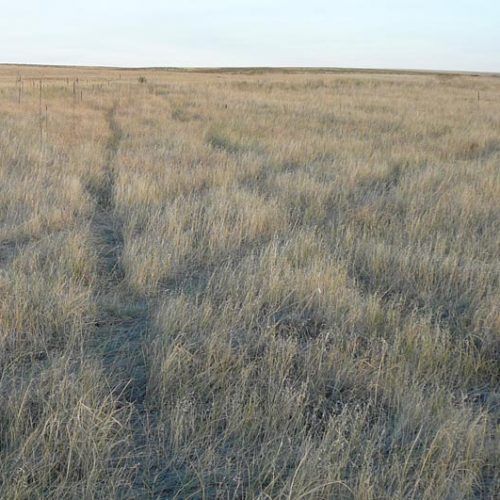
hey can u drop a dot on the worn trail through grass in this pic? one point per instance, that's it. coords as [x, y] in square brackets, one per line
[123, 317]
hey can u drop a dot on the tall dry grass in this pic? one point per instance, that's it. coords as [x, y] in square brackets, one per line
[248, 285]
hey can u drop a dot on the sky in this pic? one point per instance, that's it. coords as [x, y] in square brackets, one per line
[426, 34]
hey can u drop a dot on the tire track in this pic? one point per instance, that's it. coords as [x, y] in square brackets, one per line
[123, 319]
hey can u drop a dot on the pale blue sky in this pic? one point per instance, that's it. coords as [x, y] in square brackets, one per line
[425, 34]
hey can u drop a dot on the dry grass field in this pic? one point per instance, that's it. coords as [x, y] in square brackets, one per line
[273, 285]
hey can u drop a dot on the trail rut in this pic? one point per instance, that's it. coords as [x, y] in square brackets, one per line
[124, 318]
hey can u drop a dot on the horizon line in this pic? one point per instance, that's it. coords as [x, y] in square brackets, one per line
[214, 68]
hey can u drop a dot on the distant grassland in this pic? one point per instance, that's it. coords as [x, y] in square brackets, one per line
[230, 285]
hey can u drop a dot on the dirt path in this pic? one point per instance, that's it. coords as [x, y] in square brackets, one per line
[123, 318]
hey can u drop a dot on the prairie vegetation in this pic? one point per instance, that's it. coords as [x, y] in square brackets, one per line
[248, 285]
